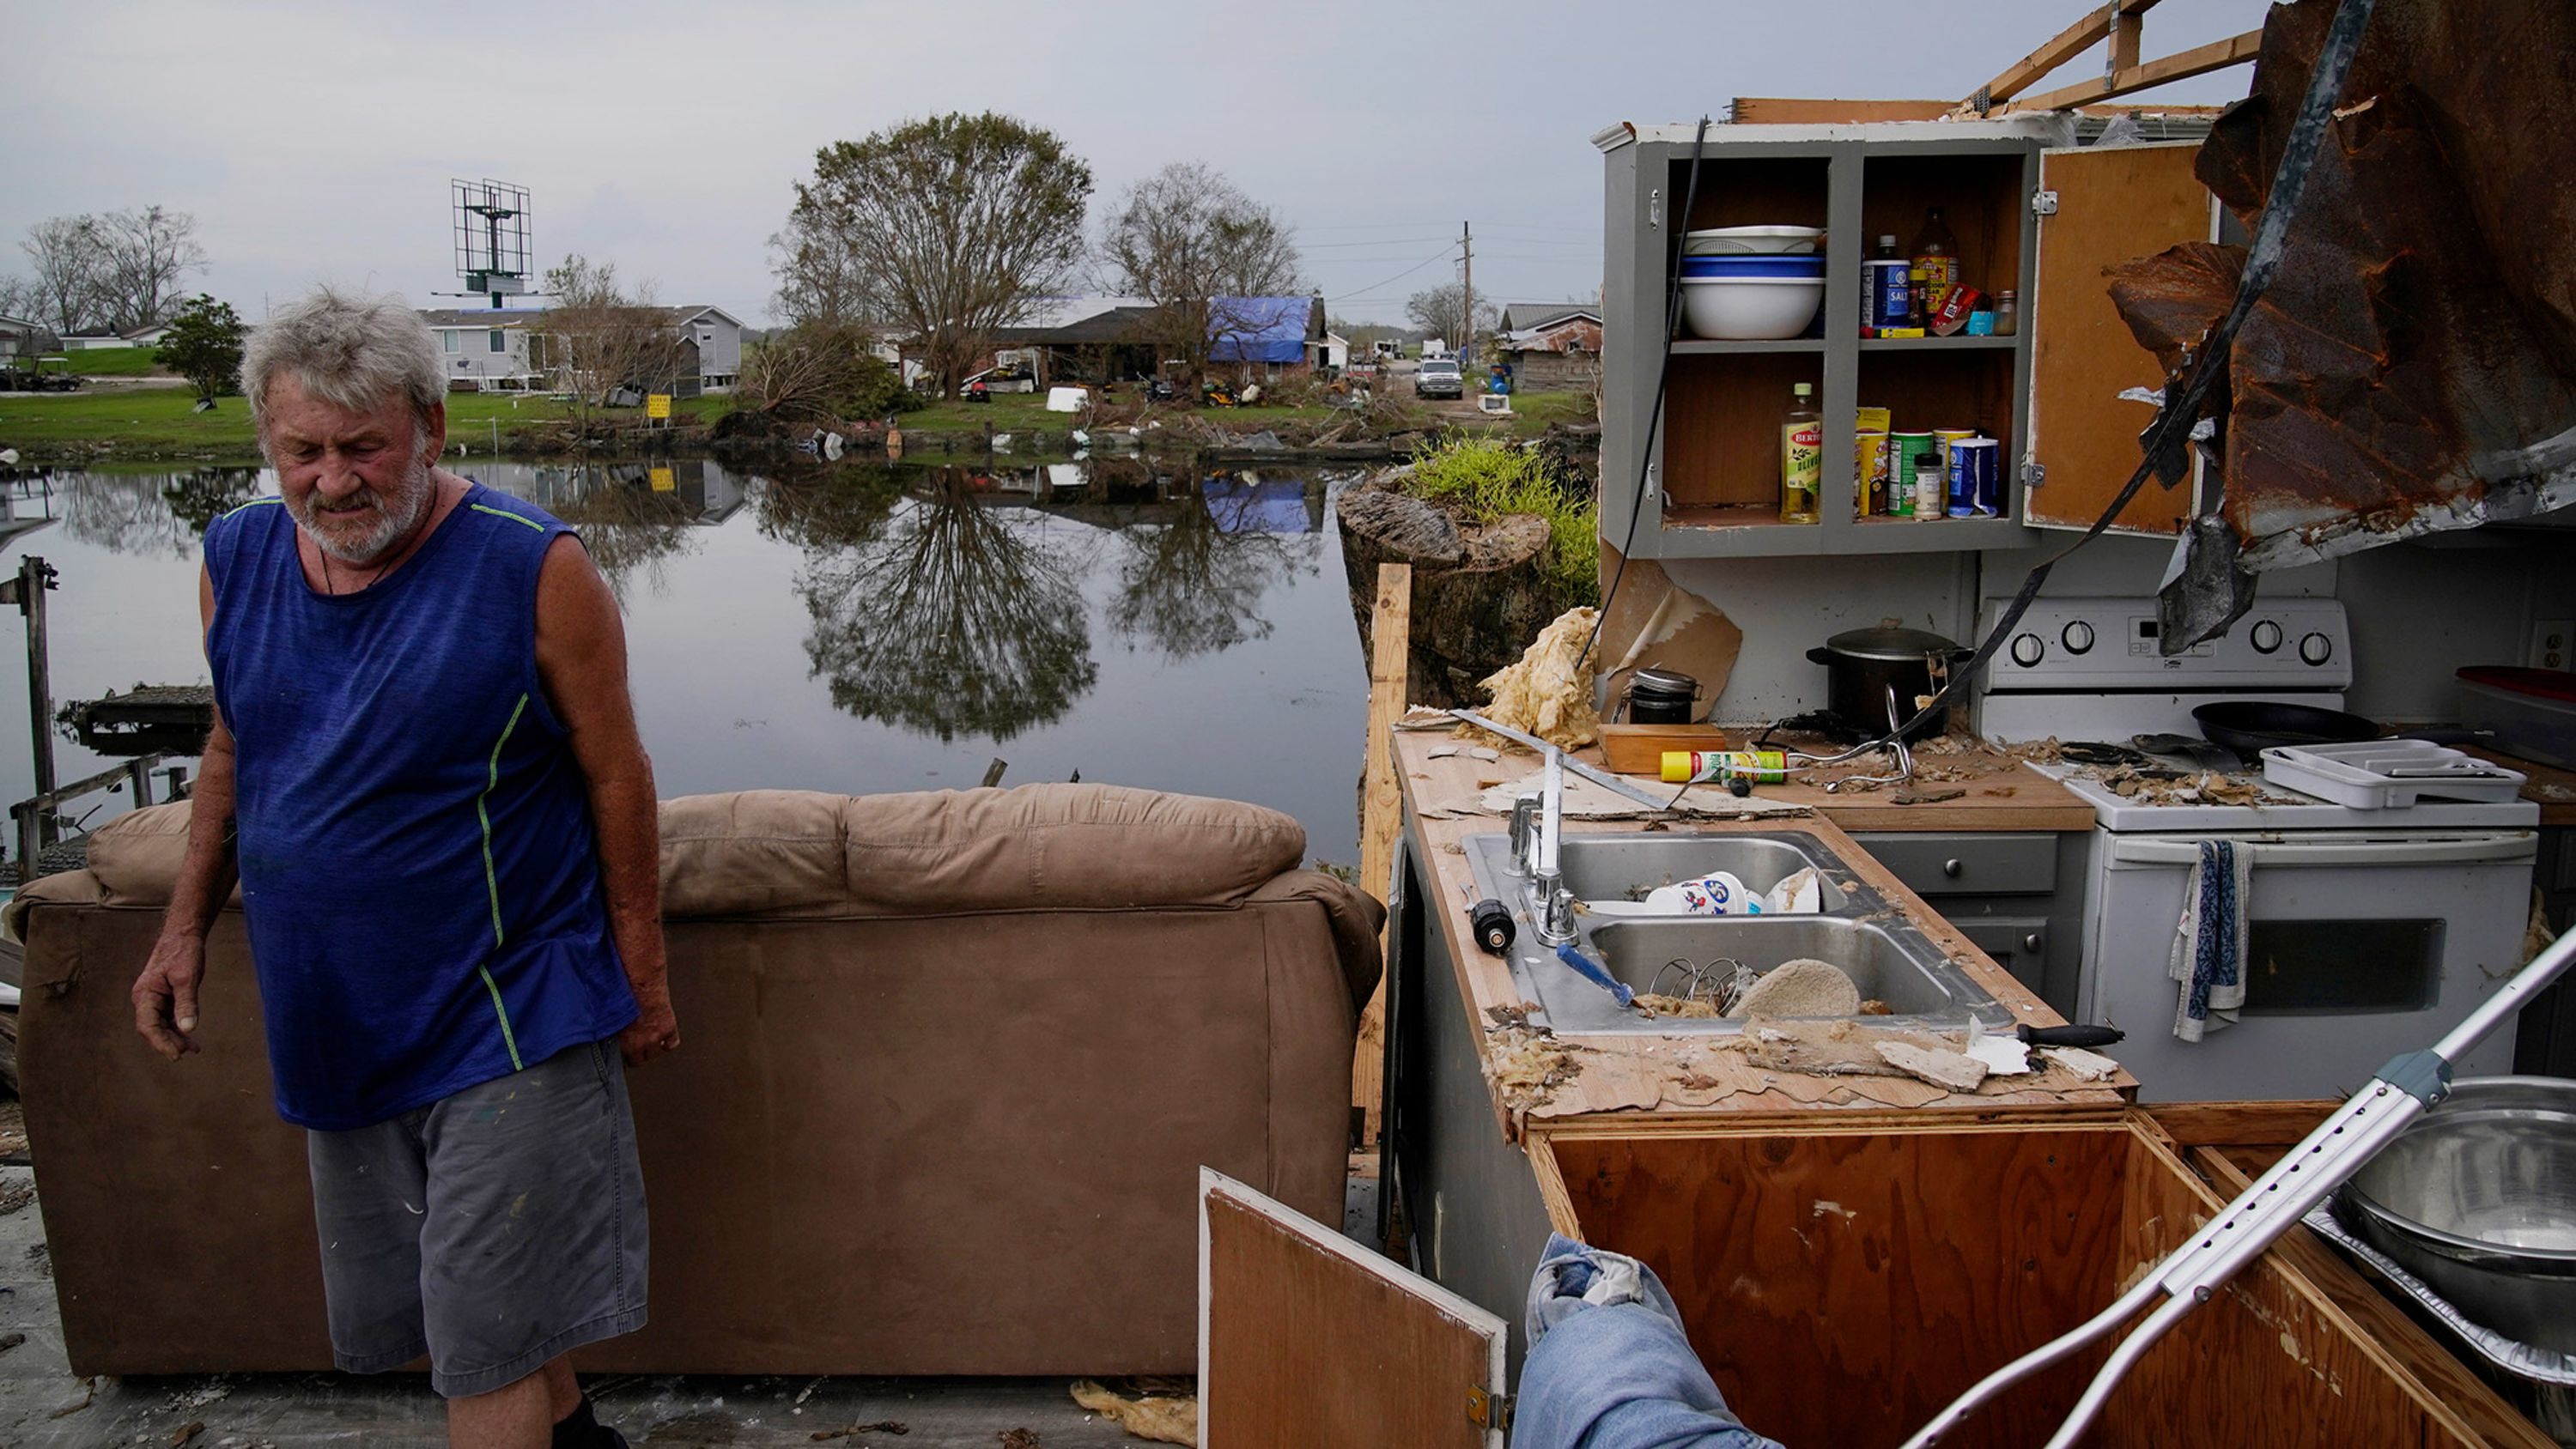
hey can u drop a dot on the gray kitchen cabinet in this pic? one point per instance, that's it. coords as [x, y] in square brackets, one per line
[1704, 432]
[2017, 896]
[2546, 1045]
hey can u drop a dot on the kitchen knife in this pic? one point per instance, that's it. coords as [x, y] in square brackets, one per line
[2068, 1036]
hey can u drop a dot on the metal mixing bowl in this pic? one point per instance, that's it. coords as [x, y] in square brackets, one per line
[2478, 1199]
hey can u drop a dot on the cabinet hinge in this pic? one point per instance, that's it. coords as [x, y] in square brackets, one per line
[2043, 203]
[1655, 209]
[2033, 475]
[1489, 1411]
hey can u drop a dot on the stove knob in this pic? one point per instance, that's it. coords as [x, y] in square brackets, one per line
[2077, 637]
[2315, 649]
[2027, 651]
[2267, 637]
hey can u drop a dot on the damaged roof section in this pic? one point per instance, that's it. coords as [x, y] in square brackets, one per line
[2412, 367]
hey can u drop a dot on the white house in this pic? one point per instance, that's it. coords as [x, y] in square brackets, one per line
[149, 335]
[1334, 351]
[26, 337]
[488, 350]
[485, 349]
[94, 342]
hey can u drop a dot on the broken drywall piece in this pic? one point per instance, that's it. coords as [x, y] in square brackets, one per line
[1954, 1070]
[1656, 622]
[2087, 1066]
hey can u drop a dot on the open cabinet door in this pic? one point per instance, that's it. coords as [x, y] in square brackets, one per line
[2111, 206]
[1308, 1338]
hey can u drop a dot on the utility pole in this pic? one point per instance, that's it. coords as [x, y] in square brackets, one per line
[1467, 293]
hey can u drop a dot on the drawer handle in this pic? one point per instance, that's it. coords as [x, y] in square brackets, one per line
[2030, 943]
[1950, 868]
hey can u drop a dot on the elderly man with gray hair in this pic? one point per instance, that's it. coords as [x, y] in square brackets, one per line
[425, 776]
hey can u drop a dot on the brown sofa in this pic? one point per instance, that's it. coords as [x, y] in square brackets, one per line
[952, 1062]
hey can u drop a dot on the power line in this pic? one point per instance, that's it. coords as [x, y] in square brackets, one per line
[1441, 255]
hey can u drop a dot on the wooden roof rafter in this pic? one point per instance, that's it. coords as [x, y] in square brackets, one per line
[2122, 23]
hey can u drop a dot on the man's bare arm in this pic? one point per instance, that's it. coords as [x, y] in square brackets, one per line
[165, 994]
[581, 663]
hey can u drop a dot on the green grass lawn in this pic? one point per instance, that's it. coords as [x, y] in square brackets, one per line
[160, 420]
[113, 362]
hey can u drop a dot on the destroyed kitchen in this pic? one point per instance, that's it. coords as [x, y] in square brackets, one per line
[1978, 848]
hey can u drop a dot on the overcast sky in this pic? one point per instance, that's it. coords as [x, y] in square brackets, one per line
[315, 142]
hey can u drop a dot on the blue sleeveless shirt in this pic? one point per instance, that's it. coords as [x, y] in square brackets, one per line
[418, 862]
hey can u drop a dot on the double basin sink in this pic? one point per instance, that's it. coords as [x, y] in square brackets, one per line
[1893, 963]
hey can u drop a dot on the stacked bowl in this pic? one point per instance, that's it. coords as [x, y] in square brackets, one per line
[1752, 296]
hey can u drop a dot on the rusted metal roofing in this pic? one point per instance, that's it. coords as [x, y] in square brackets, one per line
[2412, 367]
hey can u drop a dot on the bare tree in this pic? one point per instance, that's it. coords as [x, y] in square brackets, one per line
[819, 281]
[952, 226]
[598, 337]
[66, 287]
[1441, 312]
[19, 297]
[1189, 239]
[142, 256]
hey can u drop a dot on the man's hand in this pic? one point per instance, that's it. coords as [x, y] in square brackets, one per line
[656, 1029]
[165, 995]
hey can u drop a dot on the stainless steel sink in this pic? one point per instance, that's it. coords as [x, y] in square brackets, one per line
[1889, 959]
[1625, 867]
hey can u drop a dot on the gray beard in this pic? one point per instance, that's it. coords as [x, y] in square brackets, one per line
[395, 518]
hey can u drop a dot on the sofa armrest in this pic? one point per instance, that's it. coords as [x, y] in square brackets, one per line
[1354, 916]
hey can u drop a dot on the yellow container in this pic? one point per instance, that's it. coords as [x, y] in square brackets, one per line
[1762, 767]
[1869, 491]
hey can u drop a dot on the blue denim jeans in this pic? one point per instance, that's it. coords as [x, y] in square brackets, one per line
[1609, 1366]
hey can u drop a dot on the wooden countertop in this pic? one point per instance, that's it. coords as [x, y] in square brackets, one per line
[1997, 791]
[2552, 787]
[1684, 1076]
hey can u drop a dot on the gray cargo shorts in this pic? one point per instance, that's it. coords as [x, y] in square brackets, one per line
[490, 1230]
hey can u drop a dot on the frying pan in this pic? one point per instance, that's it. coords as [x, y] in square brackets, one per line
[2251, 726]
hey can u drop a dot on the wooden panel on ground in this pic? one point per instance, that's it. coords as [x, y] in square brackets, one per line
[1307, 1338]
[1381, 814]
[2113, 205]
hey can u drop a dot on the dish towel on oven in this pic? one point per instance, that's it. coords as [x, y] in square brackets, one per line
[2209, 947]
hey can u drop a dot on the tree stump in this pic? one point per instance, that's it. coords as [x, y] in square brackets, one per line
[1480, 593]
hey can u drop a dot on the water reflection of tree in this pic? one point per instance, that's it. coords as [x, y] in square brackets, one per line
[819, 507]
[134, 513]
[940, 617]
[1195, 587]
[624, 524]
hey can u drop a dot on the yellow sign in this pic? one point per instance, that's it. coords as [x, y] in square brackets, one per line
[658, 406]
[663, 482]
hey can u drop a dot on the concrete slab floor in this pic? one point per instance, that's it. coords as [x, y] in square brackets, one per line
[42, 1406]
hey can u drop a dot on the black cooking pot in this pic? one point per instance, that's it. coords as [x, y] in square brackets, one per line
[2251, 726]
[1863, 664]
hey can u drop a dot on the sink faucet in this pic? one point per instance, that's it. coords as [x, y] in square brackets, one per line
[1538, 827]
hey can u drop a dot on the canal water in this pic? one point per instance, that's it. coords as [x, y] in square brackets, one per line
[853, 628]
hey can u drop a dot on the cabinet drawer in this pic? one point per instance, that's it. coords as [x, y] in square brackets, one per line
[2019, 944]
[1958, 865]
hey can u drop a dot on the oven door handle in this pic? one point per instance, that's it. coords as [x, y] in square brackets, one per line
[2453, 849]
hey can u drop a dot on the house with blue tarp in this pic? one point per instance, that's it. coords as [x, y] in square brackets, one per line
[1275, 334]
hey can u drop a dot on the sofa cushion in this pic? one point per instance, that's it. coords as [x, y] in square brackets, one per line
[1054, 847]
[801, 853]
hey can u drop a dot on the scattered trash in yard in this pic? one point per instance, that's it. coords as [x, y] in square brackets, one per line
[186, 1432]
[881, 1426]
[1170, 1419]
[1020, 1439]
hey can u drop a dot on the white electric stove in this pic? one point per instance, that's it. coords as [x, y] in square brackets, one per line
[2371, 932]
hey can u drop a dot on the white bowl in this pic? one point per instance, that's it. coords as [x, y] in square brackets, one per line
[1751, 309]
[1744, 240]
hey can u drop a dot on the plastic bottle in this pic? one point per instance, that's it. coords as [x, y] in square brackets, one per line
[1802, 456]
[1936, 252]
[1931, 488]
[2007, 313]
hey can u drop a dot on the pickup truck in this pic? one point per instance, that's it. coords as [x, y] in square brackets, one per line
[1438, 377]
